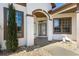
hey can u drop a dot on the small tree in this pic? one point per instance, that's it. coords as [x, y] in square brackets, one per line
[12, 42]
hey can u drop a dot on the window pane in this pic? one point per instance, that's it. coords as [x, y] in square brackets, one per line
[19, 22]
[57, 27]
[56, 23]
[64, 25]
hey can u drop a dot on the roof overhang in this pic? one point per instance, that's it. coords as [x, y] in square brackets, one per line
[66, 8]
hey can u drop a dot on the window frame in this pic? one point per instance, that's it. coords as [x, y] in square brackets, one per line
[61, 32]
[22, 29]
[5, 23]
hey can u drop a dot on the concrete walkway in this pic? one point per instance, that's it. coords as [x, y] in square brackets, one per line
[62, 50]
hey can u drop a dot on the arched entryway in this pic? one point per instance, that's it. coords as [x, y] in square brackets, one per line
[40, 22]
[38, 25]
[41, 26]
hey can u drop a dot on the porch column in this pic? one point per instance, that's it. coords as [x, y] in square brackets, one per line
[30, 30]
[49, 29]
[77, 25]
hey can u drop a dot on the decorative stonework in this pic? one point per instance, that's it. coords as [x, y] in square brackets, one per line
[42, 11]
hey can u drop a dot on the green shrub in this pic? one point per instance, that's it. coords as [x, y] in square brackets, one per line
[12, 41]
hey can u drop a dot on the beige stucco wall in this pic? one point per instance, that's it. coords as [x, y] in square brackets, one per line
[1, 25]
[21, 41]
[71, 36]
[33, 6]
[77, 36]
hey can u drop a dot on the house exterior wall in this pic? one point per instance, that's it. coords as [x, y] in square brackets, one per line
[77, 29]
[21, 41]
[77, 24]
[30, 8]
[30, 31]
[33, 6]
[71, 36]
[1, 25]
[28, 38]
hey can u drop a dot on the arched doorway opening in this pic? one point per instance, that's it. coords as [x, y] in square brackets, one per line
[40, 23]
[41, 18]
